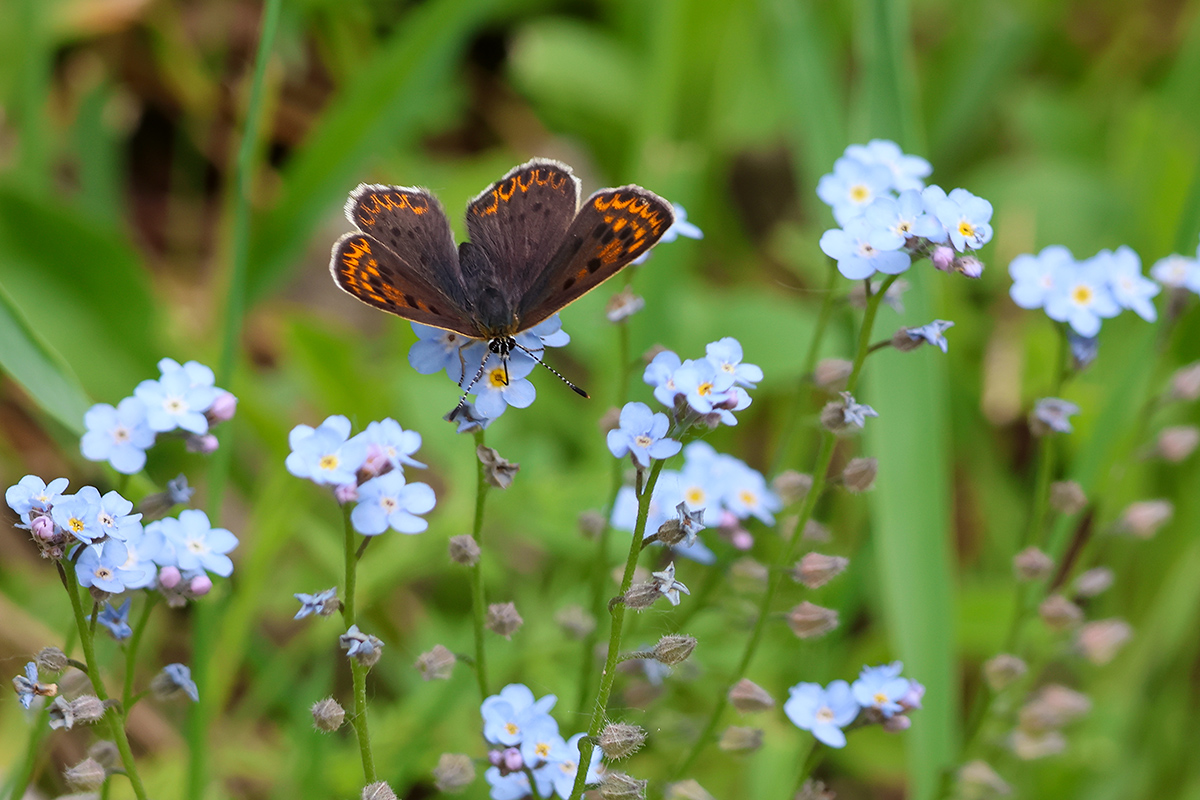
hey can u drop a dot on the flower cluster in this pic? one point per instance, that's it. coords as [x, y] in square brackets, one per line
[1082, 293]
[527, 743]
[889, 217]
[723, 486]
[183, 399]
[501, 383]
[879, 695]
[118, 552]
[367, 468]
[706, 390]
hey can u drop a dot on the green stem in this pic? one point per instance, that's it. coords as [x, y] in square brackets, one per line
[608, 677]
[131, 650]
[478, 598]
[115, 715]
[358, 671]
[779, 569]
[815, 753]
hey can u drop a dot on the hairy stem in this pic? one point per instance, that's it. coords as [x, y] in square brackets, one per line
[478, 599]
[357, 671]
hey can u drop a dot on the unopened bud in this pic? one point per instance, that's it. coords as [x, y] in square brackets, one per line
[688, 790]
[1177, 442]
[378, 791]
[815, 569]
[42, 527]
[1143, 518]
[623, 305]
[65, 713]
[619, 740]
[1059, 613]
[831, 373]
[968, 266]
[1030, 746]
[978, 781]
[747, 575]
[903, 342]
[497, 471]
[437, 664]
[105, 753]
[453, 773]
[169, 577]
[1185, 383]
[86, 776]
[859, 474]
[575, 621]
[1032, 564]
[592, 524]
[641, 596]
[1100, 641]
[809, 621]
[1093, 582]
[464, 550]
[502, 618]
[943, 258]
[222, 409]
[346, 493]
[204, 443]
[200, 585]
[792, 486]
[896, 723]
[1003, 671]
[51, 659]
[1067, 497]
[737, 739]
[365, 648]
[328, 715]
[619, 786]
[815, 532]
[1053, 707]
[748, 697]
[674, 648]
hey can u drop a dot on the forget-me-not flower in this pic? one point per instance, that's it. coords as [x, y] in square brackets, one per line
[824, 711]
[79, 516]
[858, 252]
[387, 501]
[933, 333]
[726, 355]
[100, 566]
[907, 171]
[321, 603]
[116, 620]
[178, 678]
[388, 443]
[855, 413]
[196, 543]
[113, 517]
[660, 373]
[852, 186]
[327, 454]
[504, 385]
[176, 401]
[966, 218]
[142, 546]
[881, 688]
[896, 220]
[1082, 297]
[31, 493]
[1055, 414]
[1035, 278]
[641, 435]
[702, 384]
[121, 436]
[1129, 287]
[27, 686]
[1177, 272]
[507, 715]
[668, 586]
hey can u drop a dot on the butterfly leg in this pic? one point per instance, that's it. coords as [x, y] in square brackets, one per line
[462, 401]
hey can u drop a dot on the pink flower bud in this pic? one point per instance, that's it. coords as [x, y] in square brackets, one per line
[346, 493]
[222, 409]
[742, 539]
[969, 266]
[512, 760]
[169, 577]
[43, 527]
[897, 723]
[943, 258]
[203, 444]
[200, 585]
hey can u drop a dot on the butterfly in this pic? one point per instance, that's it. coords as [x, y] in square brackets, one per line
[532, 249]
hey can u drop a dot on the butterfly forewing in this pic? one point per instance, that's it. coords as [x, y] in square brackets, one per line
[521, 219]
[368, 269]
[613, 227]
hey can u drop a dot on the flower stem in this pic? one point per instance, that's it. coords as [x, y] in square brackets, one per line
[815, 753]
[357, 671]
[478, 600]
[131, 649]
[608, 677]
[778, 570]
[115, 714]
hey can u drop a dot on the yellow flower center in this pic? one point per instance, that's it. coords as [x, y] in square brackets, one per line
[1082, 294]
[328, 462]
[511, 729]
[704, 389]
[904, 227]
[859, 193]
[880, 698]
[75, 524]
[496, 379]
[695, 496]
[966, 229]
[748, 497]
[542, 749]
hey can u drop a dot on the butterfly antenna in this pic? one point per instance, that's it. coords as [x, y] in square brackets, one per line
[462, 401]
[561, 377]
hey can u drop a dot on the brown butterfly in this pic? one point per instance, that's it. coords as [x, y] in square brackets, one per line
[533, 250]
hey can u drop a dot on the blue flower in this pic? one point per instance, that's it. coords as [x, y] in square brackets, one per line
[881, 688]
[1084, 349]
[112, 513]
[143, 547]
[660, 373]
[1177, 272]
[507, 715]
[896, 220]
[27, 686]
[824, 711]
[197, 544]
[78, 516]
[326, 455]
[855, 413]
[316, 603]
[1035, 278]
[174, 401]
[502, 386]
[388, 502]
[667, 585]
[858, 253]
[116, 620]
[541, 742]
[966, 218]
[745, 493]
[1055, 414]
[1129, 287]
[435, 349]
[118, 435]
[31, 493]
[100, 566]
[852, 186]
[198, 375]
[726, 355]
[362, 646]
[907, 171]
[547, 333]
[468, 419]
[932, 333]
[179, 678]
[513, 786]
[1082, 297]
[559, 771]
[701, 384]
[641, 435]
[388, 443]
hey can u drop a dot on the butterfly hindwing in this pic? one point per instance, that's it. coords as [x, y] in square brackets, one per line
[412, 223]
[369, 270]
[613, 227]
[520, 221]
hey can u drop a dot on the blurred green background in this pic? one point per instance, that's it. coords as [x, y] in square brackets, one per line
[120, 123]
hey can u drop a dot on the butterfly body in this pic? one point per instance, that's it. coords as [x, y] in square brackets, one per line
[532, 249]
